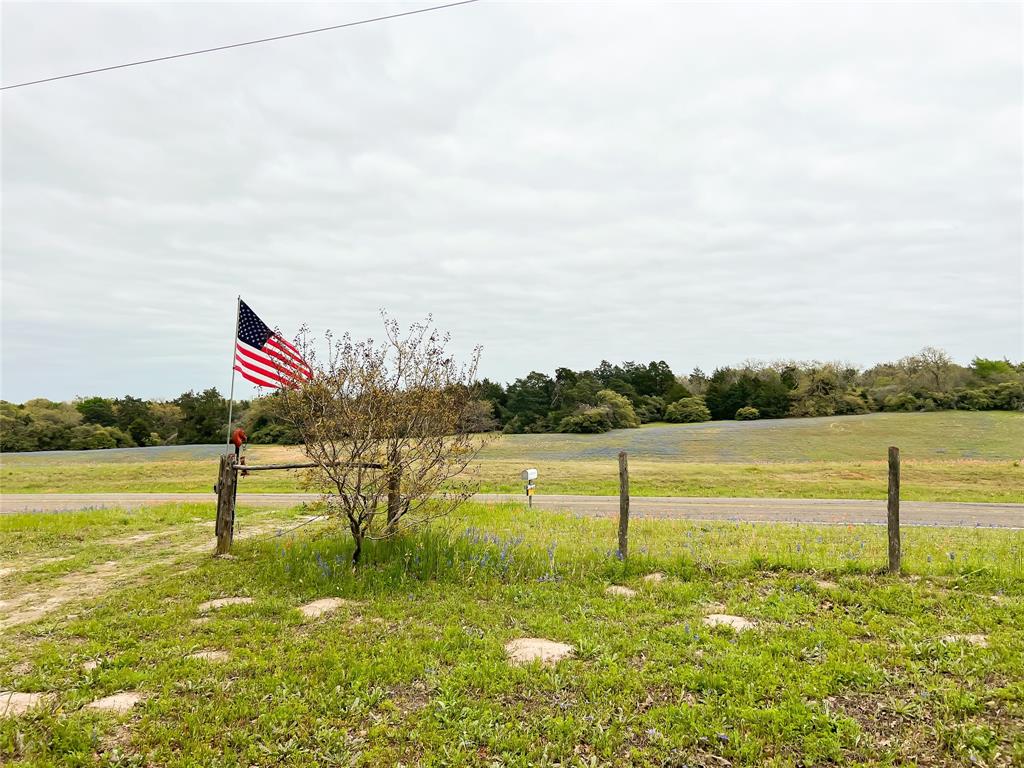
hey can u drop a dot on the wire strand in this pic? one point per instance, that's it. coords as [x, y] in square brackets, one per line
[237, 45]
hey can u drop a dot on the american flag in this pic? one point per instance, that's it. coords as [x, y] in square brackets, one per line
[264, 357]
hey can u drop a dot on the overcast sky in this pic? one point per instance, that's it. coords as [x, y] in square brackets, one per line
[560, 183]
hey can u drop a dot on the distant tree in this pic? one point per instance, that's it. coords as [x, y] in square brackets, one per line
[97, 410]
[653, 379]
[166, 421]
[203, 417]
[992, 369]
[529, 400]
[650, 408]
[479, 417]
[747, 413]
[679, 390]
[93, 436]
[722, 396]
[937, 364]
[133, 417]
[621, 413]
[687, 410]
[590, 419]
[16, 432]
[50, 423]
[697, 382]
[902, 402]
[823, 391]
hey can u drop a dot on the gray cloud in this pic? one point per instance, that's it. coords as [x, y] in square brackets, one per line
[561, 183]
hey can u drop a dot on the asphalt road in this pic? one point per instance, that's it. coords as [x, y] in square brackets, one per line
[826, 511]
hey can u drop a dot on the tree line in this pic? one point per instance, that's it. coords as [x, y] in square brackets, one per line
[588, 401]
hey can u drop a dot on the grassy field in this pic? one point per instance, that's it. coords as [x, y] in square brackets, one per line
[955, 456]
[843, 666]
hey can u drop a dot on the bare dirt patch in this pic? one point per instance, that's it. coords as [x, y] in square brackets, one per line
[215, 656]
[100, 578]
[825, 584]
[893, 735]
[31, 605]
[725, 620]
[617, 590]
[654, 578]
[979, 640]
[14, 703]
[223, 602]
[118, 703]
[528, 649]
[326, 605]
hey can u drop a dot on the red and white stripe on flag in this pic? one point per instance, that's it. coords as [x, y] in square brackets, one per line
[264, 357]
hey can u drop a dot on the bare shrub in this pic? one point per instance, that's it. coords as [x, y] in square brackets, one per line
[387, 425]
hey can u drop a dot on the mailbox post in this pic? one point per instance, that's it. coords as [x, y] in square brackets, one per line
[529, 475]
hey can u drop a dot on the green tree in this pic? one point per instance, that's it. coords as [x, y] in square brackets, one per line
[133, 417]
[688, 410]
[588, 420]
[203, 417]
[993, 370]
[620, 409]
[97, 410]
[529, 400]
[748, 413]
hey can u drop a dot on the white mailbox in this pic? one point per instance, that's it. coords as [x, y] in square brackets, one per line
[529, 474]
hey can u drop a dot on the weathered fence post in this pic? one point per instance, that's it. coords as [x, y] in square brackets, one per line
[894, 510]
[623, 506]
[226, 487]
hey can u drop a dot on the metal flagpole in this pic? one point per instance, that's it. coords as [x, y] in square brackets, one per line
[234, 341]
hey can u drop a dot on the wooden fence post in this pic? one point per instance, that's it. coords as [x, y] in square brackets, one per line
[226, 487]
[894, 510]
[623, 506]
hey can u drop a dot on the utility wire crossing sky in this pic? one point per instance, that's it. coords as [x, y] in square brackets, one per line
[236, 45]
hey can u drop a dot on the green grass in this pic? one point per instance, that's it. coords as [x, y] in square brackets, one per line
[412, 671]
[958, 456]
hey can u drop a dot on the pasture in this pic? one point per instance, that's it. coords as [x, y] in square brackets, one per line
[839, 664]
[948, 456]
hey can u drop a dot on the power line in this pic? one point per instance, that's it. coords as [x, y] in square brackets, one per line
[237, 45]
